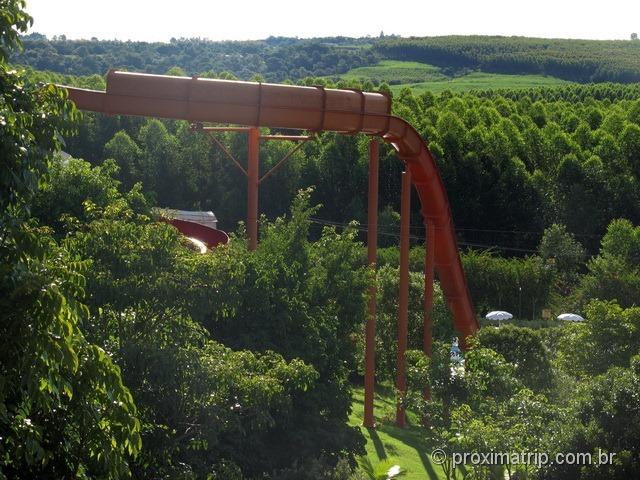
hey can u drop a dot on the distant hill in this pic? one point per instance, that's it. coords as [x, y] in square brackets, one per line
[422, 77]
[274, 59]
[575, 60]
[279, 58]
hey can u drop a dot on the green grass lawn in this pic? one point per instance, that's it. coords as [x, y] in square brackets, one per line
[422, 77]
[408, 447]
[483, 81]
[397, 71]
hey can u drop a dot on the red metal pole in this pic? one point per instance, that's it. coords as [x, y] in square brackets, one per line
[403, 301]
[372, 246]
[428, 294]
[253, 179]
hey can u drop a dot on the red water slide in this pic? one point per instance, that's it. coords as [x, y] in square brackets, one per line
[301, 108]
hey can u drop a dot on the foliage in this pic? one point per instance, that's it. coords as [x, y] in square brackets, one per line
[519, 424]
[558, 244]
[14, 20]
[75, 190]
[387, 318]
[275, 58]
[615, 274]
[240, 361]
[608, 338]
[204, 408]
[523, 348]
[520, 286]
[515, 161]
[303, 300]
[278, 58]
[64, 411]
[605, 424]
[384, 470]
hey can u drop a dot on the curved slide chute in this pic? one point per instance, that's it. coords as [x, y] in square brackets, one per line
[301, 108]
[211, 237]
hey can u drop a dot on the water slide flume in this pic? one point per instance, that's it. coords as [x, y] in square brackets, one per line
[209, 237]
[301, 108]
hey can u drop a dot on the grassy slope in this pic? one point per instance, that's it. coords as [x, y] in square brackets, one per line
[421, 77]
[484, 81]
[408, 446]
[398, 72]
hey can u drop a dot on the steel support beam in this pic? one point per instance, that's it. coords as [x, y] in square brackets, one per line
[372, 252]
[403, 299]
[430, 247]
[253, 180]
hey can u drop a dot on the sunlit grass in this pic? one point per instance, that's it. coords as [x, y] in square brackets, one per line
[395, 71]
[422, 77]
[408, 446]
[483, 81]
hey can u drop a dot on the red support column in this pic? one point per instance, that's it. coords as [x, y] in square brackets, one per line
[403, 300]
[428, 294]
[372, 245]
[253, 179]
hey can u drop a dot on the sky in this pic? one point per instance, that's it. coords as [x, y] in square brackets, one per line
[160, 20]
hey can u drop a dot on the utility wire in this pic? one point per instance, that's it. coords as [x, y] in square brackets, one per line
[488, 230]
[365, 229]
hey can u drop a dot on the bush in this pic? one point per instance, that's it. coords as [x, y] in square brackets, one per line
[522, 286]
[387, 319]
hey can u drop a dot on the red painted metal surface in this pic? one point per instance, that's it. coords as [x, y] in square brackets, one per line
[403, 296]
[253, 181]
[210, 236]
[372, 258]
[253, 167]
[302, 108]
[427, 326]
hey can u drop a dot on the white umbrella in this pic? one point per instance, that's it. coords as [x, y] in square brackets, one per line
[570, 317]
[498, 315]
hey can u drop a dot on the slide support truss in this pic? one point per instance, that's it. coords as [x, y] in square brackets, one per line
[251, 105]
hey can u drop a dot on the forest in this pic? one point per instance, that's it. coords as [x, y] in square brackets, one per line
[126, 354]
[276, 59]
[577, 60]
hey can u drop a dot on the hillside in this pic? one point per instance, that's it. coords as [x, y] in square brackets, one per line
[278, 58]
[274, 59]
[576, 60]
[424, 77]
[483, 81]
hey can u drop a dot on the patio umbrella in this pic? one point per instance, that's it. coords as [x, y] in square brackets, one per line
[570, 317]
[498, 315]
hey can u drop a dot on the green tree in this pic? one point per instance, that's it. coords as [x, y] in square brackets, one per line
[604, 422]
[523, 348]
[127, 155]
[614, 273]
[303, 300]
[608, 338]
[567, 255]
[630, 146]
[64, 411]
[558, 244]
[387, 318]
[160, 168]
[205, 409]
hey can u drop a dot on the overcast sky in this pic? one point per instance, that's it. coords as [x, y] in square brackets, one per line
[159, 20]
